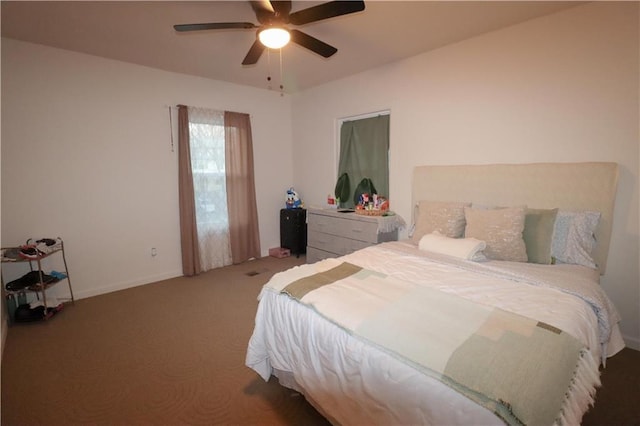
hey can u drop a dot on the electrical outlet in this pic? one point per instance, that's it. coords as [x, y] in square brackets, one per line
[154, 252]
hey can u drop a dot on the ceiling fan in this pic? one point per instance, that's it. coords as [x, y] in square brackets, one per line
[274, 17]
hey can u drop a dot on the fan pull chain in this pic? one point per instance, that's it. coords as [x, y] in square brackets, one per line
[269, 69]
[171, 128]
[281, 85]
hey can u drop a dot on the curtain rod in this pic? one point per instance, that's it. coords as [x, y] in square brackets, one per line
[216, 109]
[193, 106]
[365, 115]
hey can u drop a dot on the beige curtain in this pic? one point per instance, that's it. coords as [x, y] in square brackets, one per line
[241, 190]
[188, 228]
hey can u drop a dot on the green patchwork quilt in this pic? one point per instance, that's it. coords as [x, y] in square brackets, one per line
[519, 368]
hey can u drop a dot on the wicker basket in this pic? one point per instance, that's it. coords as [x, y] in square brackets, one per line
[373, 212]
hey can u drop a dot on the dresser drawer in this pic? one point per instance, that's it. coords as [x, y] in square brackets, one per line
[331, 233]
[333, 243]
[314, 255]
[344, 227]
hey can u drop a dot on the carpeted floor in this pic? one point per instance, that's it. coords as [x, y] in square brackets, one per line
[172, 353]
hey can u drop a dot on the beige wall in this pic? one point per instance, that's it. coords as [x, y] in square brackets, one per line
[86, 155]
[558, 88]
[86, 146]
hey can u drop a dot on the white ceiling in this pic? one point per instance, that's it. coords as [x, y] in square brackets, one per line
[142, 33]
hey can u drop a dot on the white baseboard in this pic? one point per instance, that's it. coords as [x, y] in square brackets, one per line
[124, 285]
[632, 342]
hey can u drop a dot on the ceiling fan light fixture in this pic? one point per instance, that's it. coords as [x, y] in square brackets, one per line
[274, 37]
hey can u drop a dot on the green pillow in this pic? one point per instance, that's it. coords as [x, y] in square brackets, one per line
[538, 234]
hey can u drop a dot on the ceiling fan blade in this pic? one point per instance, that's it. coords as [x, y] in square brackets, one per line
[324, 11]
[214, 26]
[281, 8]
[254, 53]
[263, 10]
[312, 43]
[261, 5]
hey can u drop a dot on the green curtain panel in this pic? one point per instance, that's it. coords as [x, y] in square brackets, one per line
[364, 153]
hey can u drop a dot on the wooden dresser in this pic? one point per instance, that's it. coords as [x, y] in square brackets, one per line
[331, 233]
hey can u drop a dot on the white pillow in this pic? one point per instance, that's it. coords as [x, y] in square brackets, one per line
[463, 248]
[574, 237]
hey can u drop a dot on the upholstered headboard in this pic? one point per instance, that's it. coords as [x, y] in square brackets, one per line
[569, 186]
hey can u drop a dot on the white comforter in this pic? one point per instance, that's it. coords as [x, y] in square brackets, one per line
[352, 382]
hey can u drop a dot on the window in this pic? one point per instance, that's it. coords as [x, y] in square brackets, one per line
[217, 194]
[364, 153]
[207, 145]
[208, 167]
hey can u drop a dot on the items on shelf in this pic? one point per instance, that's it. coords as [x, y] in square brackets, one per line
[36, 311]
[35, 281]
[364, 187]
[30, 279]
[373, 205]
[30, 250]
[366, 199]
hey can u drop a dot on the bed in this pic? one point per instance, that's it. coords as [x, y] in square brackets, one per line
[452, 325]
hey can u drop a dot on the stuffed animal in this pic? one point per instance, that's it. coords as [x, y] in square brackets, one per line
[292, 200]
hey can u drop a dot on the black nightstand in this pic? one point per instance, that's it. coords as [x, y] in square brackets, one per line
[293, 230]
